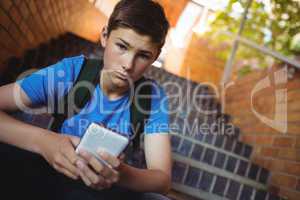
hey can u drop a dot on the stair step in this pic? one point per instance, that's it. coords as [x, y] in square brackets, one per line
[206, 182]
[29, 59]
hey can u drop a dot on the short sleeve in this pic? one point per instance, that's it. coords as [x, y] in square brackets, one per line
[158, 121]
[44, 85]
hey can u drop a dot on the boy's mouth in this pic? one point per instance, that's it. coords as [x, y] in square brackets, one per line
[123, 77]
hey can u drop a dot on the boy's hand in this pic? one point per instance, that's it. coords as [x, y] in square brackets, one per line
[59, 151]
[96, 174]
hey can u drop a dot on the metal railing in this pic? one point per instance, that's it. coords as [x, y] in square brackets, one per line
[239, 39]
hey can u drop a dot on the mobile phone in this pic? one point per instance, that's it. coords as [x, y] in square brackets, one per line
[97, 136]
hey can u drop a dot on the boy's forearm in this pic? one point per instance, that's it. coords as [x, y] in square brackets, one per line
[20, 134]
[144, 180]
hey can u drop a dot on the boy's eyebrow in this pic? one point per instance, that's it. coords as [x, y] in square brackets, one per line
[144, 51]
[125, 42]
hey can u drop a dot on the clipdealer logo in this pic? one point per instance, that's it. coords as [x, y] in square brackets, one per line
[279, 122]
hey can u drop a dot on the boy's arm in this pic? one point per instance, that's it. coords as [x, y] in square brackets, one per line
[12, 130]
[157, 178]
[35, 139]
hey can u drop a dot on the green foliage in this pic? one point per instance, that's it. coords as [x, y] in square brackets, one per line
[271, 25]
[244, 71]
[295, 44]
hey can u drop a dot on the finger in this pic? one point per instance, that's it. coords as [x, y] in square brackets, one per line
[69, 166]
[85, 169]
[92, 161]
[103, 185]
[98, 187]
[110, 159]
[104, 170]
[85, 155]
[108, 172]
[75, 140]
[65, 172]
[110, 175]
[122, 157]
[69, 153]
[85, 179]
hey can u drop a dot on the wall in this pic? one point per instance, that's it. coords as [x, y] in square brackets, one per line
[27, 23]
[197, 61]
[86, 21]
[279, 152]
[173, 10]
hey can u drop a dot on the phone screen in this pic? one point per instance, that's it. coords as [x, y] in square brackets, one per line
[97, 136]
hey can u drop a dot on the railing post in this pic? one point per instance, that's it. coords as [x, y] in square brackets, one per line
[229, 63]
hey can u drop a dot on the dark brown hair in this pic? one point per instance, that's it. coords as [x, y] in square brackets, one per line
[146, 17]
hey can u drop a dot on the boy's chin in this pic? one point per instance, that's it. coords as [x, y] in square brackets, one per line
[120, 83]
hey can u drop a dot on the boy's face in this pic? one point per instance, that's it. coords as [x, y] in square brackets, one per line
[127, 55]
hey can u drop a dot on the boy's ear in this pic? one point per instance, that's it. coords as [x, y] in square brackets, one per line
[104, 36]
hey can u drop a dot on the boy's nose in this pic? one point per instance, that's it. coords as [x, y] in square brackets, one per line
[127, 67]
[128, 64]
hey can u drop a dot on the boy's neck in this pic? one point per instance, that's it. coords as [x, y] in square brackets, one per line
[109, 90]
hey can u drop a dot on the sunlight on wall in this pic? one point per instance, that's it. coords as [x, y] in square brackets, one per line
[186, 22]
[106, 6]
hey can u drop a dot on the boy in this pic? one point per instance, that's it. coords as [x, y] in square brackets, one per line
[132, 41]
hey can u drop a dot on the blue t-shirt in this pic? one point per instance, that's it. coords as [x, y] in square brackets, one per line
[53, 82]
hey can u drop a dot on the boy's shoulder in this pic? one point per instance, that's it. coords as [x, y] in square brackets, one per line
[68, 68]
[74, 59]
[73, 62]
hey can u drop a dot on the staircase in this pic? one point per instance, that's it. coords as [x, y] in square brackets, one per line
[209, 161]
[49, 53]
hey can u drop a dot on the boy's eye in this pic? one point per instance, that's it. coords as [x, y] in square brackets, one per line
[144, 56]
[121, 46]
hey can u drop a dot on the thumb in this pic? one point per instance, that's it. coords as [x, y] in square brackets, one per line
[122, 157]
[75, 140]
